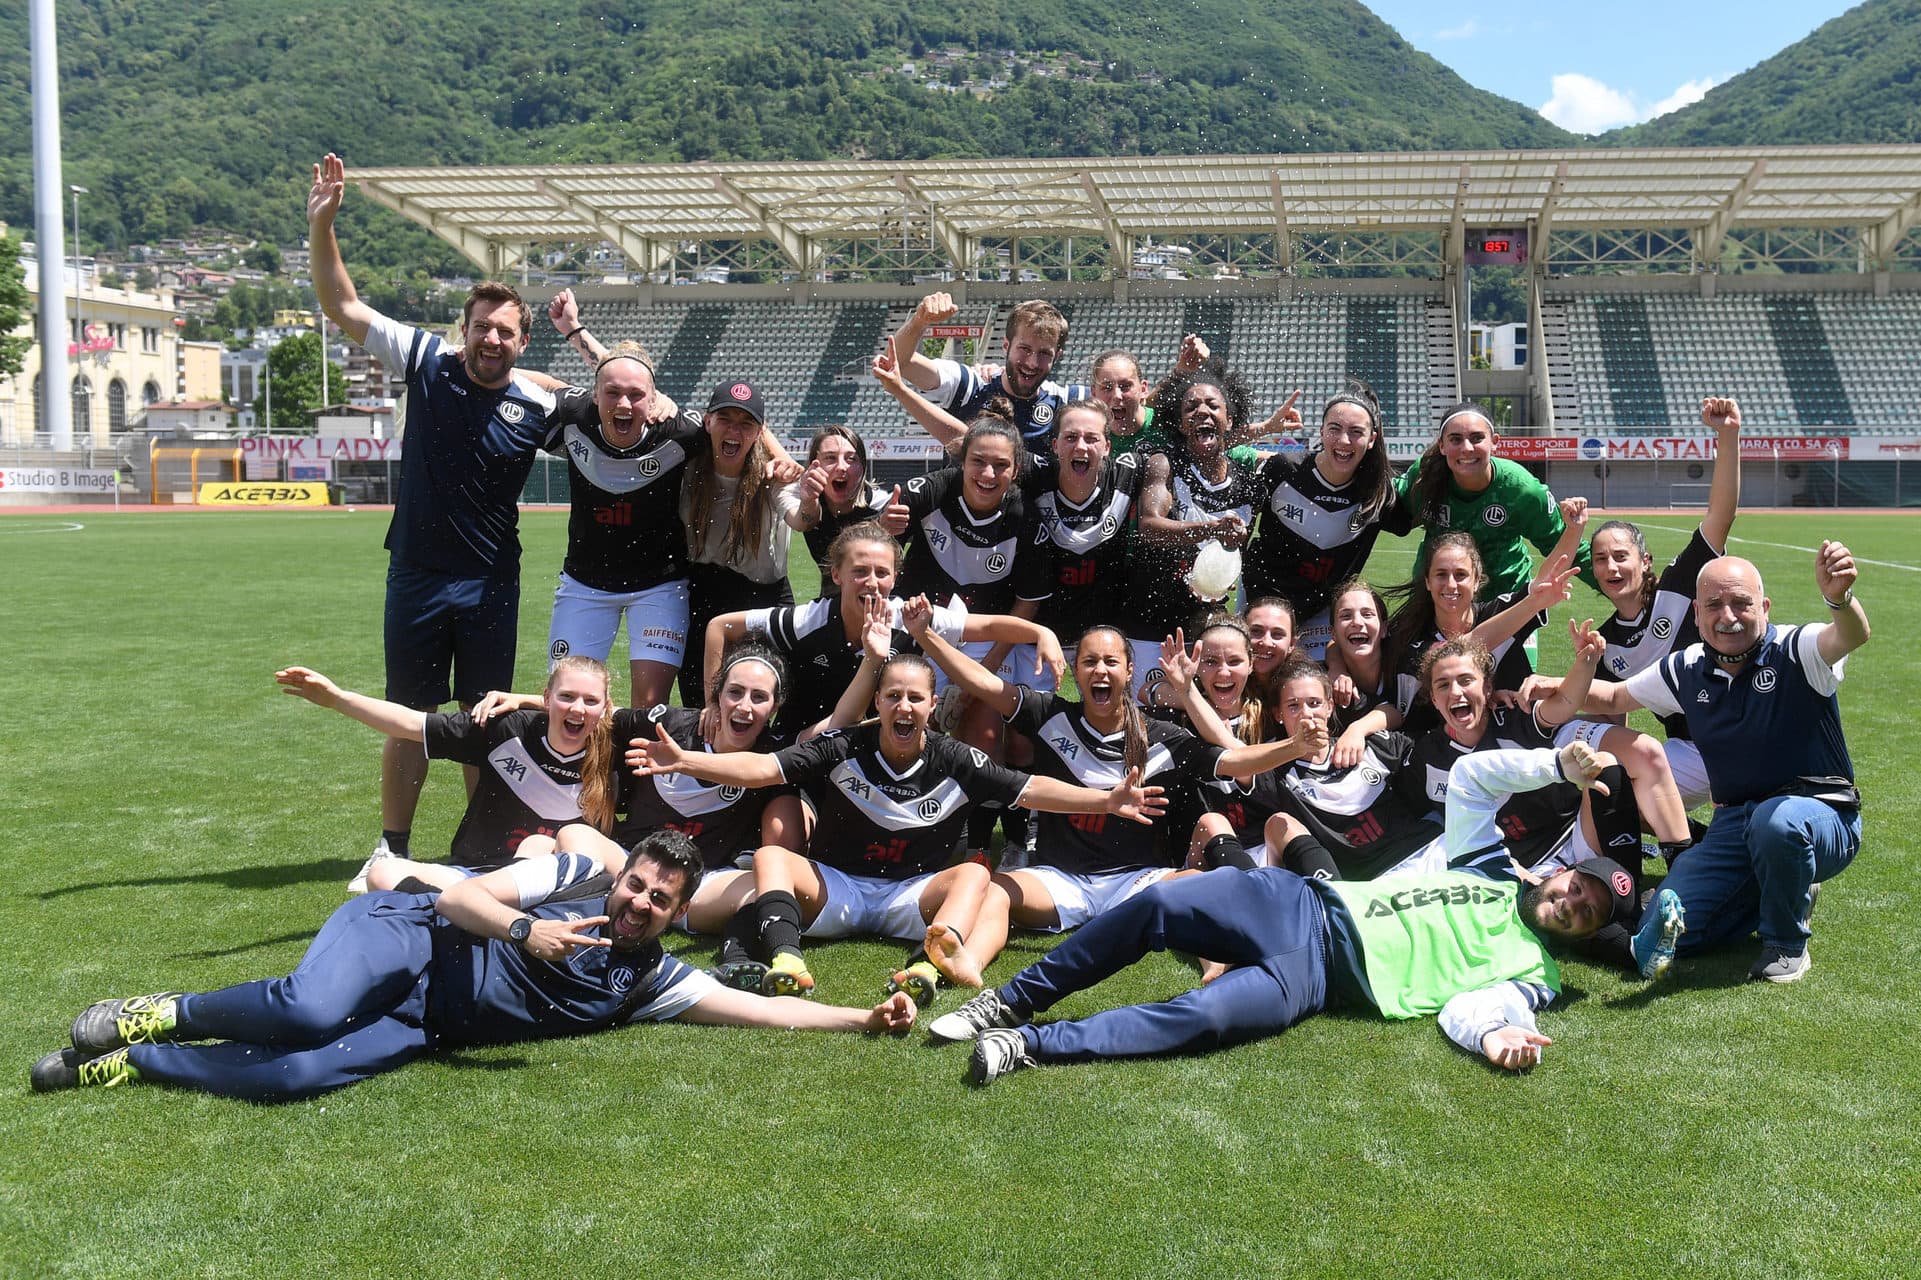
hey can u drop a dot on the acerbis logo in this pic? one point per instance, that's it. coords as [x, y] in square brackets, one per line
[511, 412]
[997, 563]
[929, 810]
[980, 757]
[1494, 516]
[1764, 680]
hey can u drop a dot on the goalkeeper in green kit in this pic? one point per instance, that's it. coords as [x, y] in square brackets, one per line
[1458, 944]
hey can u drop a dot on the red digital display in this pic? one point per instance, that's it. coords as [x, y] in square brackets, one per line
[1496, 246]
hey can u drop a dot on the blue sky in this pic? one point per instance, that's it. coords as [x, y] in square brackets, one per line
[1591, 73]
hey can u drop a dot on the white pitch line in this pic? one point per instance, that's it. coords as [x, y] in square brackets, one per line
[63, 527]
[1789, 546]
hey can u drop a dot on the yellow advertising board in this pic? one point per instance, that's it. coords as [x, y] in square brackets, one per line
[230, 494]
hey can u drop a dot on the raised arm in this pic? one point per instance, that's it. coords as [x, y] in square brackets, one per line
[1565, 703]
[1834, 577]
[331, 284]
[389, 718]
[1546, 591]
[1129, 799]
[940, 424]
[1285, 418]
[564, 312]
[977, 681]
[1158, 525]
[722, 630]
[1724, 491]
[1006, 630]
[905, 345]
[728, 768]
[876, 642]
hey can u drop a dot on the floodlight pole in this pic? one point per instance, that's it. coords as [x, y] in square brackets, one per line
[56, 407]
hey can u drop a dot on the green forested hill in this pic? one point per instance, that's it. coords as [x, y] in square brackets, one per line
[207, 113]
[1854, 80]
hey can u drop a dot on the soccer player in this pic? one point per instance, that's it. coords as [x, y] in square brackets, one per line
[1472, 950]
[1460, 485]
[834, 493]
[538, 769]
[472, 429]
[515, 955]
[1323, 514]
[1760, 703]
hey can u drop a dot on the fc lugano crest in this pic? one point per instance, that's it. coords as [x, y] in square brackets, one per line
[997, 563]
[731, 794]
[560, 650]
[1494, 516]
[929, 810]
[1043, 414]
[1663, 628]
[511, 412]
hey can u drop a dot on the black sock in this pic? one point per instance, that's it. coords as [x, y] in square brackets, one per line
[738, 938]
[980, 826]
[1226, 851]
[1617, 821]
[397, 841]
[777, 915]
[1306, 856]
[413, 884]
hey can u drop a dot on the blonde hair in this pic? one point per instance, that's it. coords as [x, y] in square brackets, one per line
[597, 765]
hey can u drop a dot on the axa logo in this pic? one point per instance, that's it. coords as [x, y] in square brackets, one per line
[1618, 662]
[1067, 748]
[1293, 512]
[936, 539]
[515, 769]
[578, 448]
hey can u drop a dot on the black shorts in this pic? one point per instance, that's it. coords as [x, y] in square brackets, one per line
[439, 624]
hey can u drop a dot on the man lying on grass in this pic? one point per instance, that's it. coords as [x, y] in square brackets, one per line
[1472, 949]
[522, 953]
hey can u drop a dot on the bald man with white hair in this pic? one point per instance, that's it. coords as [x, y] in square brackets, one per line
[1760, 703]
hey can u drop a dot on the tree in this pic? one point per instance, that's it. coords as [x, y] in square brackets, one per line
[293, 368]
[15, 304]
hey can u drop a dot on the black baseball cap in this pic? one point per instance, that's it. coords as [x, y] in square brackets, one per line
[738, 393]
[1625, 904]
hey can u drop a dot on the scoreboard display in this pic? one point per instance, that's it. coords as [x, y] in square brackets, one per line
[1491, 247]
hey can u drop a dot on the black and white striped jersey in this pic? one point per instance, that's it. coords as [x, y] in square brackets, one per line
[722, 821]
[1665, 626]
[1157, 576]
[1511, 665]
[1370, 815]
[1076, 558]
[1531, 822]
[524, 788]
[953, 552]
[868, 505]
[872, 821]
[1311, 534]
[820, 660]
[1071, 750]
[624, 531]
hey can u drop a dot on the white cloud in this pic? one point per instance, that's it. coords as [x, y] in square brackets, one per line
[1462, 32]
[1691, 92]
[1582, 104]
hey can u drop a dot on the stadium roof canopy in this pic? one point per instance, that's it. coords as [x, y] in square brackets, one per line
[494, 215]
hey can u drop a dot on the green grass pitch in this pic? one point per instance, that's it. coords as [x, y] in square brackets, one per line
[173, 821]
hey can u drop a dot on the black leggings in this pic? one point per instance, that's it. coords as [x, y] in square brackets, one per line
[711, 591]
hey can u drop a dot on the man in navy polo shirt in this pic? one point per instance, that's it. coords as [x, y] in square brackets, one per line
[1036, 333]
[1760, 703]
[471, 432]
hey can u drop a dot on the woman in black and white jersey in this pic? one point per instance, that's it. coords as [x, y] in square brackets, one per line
[834, 493]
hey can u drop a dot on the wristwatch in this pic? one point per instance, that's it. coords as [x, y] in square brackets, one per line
[1847, 598]
[520, 930]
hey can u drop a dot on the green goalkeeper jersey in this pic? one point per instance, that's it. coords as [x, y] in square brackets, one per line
[1513, 510]
[1425, 939]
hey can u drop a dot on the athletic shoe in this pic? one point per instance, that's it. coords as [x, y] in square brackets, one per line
[741, 975]
[73, 1069]
[1653, 946]
[787, 976]
[114, 1024]
[1776, 965]
[919, 980]
[981, 1014]
[997, 1052]
[358, 884]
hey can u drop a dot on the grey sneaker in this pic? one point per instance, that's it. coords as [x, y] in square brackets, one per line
[983, 1012]
[106, 1025]
[1776, 965]
[997, 1052]
[358, 884]
[73, 1069]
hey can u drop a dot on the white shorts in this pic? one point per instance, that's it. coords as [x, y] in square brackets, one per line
[585, 620]
[866, 905]
[1312, 637]
[1690, 775]
[712, 878]
[1021, 661]
[1016, 668]
[1431, 856]
[1078, 899]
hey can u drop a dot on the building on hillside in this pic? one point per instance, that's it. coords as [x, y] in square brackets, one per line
[125, 353]
[197, 372]
[190, 417]
[241, 376]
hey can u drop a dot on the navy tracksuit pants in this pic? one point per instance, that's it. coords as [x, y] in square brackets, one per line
[1268, 922]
